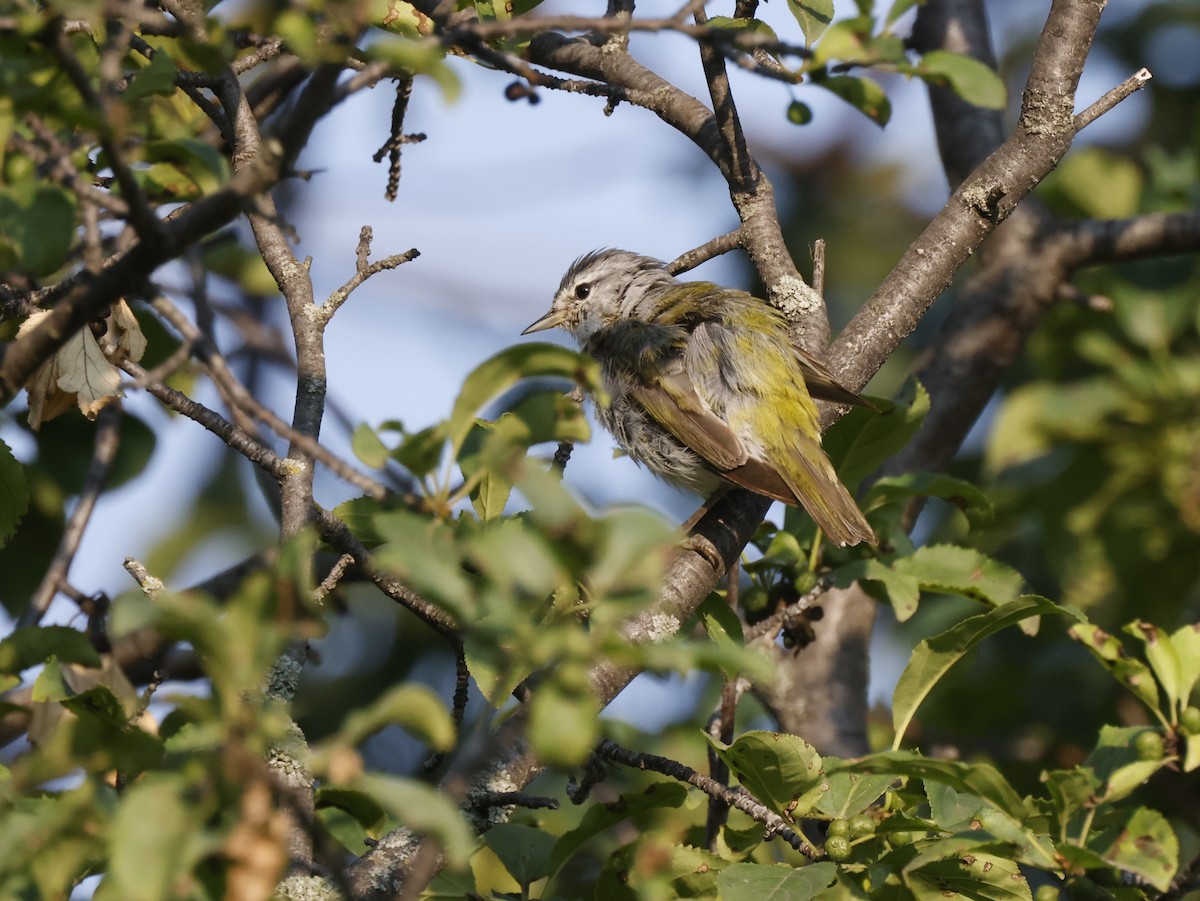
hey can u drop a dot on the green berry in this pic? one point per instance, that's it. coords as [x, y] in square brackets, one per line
[838, 828]
[799, 113]
[1046, 893]
[1148, 746]
[837, 847]
[907, 837]
[1189, 721]
[861, 825]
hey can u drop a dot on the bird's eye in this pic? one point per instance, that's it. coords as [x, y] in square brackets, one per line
[582, 291]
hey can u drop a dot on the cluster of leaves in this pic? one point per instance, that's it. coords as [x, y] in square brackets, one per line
[868, 41]
[542, 595]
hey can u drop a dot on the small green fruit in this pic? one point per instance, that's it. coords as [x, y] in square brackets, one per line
[799, 113]
[861, 825]
[839, 828]
[1148, 746]
[837, 847]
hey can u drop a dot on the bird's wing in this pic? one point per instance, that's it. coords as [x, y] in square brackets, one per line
[673, 402]
[671, 399]
[822, 385]
[811, 477]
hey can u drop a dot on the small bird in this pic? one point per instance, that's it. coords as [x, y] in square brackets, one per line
[705, 384]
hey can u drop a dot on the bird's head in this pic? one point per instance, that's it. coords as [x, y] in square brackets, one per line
[600, 288]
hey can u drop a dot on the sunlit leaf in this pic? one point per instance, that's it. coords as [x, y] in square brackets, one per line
[1141, 842]
[970, 79]
[934, 656]
[813, 16]
[524, 851]
[864, 94]
[775, 767]
[760, 882]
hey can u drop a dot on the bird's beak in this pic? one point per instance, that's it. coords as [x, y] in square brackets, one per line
[550, 320]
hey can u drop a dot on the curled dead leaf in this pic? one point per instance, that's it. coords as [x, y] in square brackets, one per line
[83, 372]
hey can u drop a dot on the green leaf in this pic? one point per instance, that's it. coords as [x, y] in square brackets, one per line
[848, 793]
[493, 452]
[760, 882]
[156, 78]
[1075, 181]
[903, 591]
[365, 810]
[413, 707]
[28, 647]
[504, 370]
[722, 625]
[813, 17]
[950, 569]
[200, 162]
[564, 725]
[775, 767]
[1070, 791]
[972, 80]
[1118, 766]
[367, 446]
[524, 851]
[424, 810]
[14, 492]
[1186, 642]
[421, 451]
[426, 555]
[1131, 673]
[1140, 842]
[934, 656]
[154, 838]
[977, 876]
[968, 498]
[899, 8]
[848, 39]
[981, 779]
[864, 94]
[50, 684]
[863, 439]
[37, 226]
[1165, 663]
[600, 816]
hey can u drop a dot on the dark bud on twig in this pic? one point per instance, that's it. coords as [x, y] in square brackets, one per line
[519, 90]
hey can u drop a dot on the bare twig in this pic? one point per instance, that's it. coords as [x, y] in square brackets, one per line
[705, 252]
[742, 800]
[363, 271]
[241, 399]
[1128, 87]
[330, 582]
[108, 439]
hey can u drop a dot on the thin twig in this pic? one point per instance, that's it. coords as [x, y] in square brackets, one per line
[1128, 87]
[818, 258]
[238, 397]
[330, 582]
[742, 800]
[326, 310]
[148, 583]
[108, 439]
[779, 619]
[328, 526]
[705, 252]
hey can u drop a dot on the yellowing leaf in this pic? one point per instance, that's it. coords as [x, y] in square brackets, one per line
[130, 342]
[81, 372]
[84, 371]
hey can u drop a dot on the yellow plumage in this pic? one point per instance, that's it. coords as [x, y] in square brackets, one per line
[705, 384]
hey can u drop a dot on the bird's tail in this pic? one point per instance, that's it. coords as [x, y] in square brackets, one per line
[817, 489]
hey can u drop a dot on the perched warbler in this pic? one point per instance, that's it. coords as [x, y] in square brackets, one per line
[705, 384]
